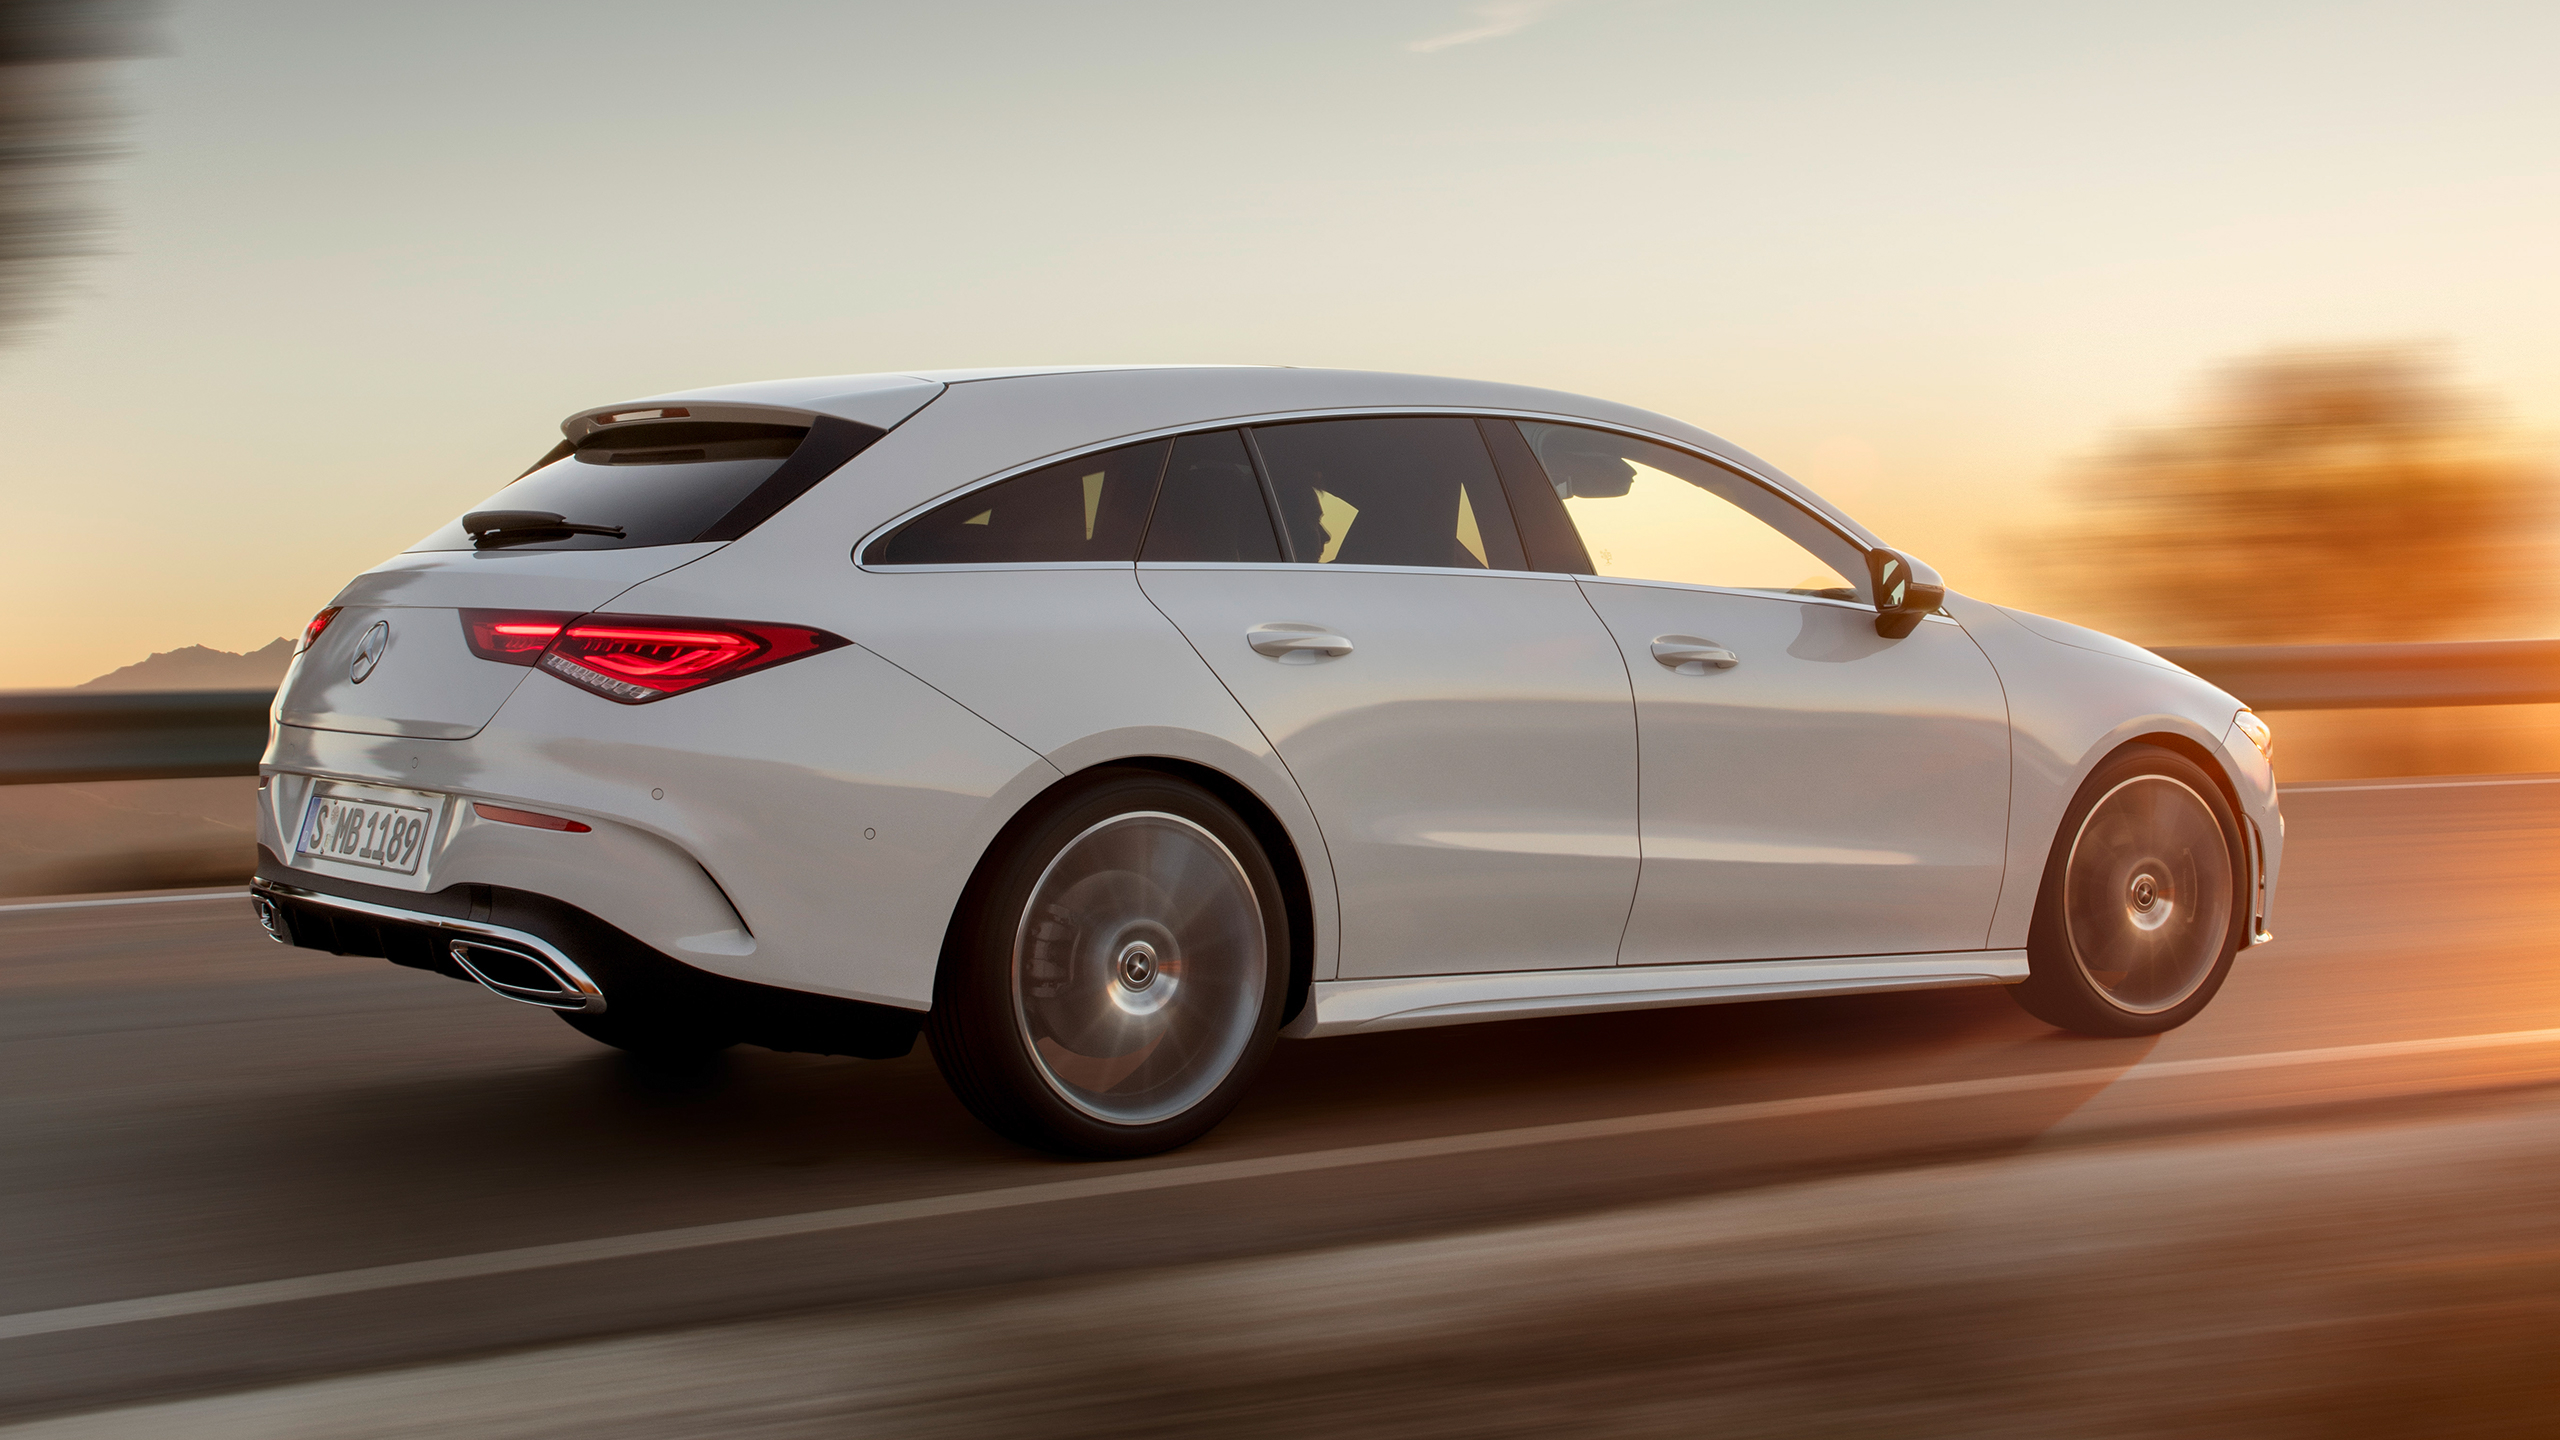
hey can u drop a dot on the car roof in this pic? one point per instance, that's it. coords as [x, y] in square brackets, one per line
[885, 399]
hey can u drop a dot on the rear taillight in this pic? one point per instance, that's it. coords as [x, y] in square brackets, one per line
[513, 637]
[639, 658]
[318, 623]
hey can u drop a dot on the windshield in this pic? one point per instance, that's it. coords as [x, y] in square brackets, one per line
[661, 484]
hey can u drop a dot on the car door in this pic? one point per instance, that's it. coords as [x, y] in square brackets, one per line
[1809, 787]
[1462, 728]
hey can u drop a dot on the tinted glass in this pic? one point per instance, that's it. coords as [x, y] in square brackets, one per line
[1648, 512]
[1211, 507]
[1086, 509]
[1415, 491]
[663, 484]
[1546, 532]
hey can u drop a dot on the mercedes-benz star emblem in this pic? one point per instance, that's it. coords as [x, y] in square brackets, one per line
[369, 651]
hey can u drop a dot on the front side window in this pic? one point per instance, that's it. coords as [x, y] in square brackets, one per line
[1648, 512]
[1415, 490]
[1091, 508]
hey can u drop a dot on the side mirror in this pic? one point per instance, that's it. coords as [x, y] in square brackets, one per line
[1905, 590]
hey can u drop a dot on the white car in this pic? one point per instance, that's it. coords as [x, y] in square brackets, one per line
[1109, 723]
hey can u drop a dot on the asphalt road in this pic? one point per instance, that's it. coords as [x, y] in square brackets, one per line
[258, 1192]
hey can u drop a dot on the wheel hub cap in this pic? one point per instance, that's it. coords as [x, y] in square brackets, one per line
[1137, 965]
[2146, 904]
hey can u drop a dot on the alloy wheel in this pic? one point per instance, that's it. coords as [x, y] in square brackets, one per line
[2147, 894]
[1139, 967]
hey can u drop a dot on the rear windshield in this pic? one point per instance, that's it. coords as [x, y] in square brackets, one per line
[660, 484]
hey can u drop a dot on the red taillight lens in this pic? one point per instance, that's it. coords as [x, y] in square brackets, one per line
[513, 637]
[318, 623]
[639, 658]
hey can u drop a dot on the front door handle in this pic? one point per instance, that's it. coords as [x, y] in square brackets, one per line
[1689, 655]
[1292, 643]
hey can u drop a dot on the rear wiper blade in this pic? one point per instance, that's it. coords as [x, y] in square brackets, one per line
[522, 527]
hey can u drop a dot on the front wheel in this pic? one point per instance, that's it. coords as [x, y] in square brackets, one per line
[1116, 973]
[2140, 912]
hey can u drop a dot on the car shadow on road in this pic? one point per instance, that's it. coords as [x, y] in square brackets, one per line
[611, 1144]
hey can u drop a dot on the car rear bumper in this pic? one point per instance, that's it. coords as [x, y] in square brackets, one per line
[541, 951]
[517, 964]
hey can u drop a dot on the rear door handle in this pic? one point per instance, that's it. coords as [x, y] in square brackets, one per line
[1689, 655]
[1293, 643]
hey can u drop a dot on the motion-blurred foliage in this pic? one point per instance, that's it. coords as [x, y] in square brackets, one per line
[54, 124]
[2315, 497]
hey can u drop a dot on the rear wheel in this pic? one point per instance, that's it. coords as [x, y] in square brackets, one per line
[2140, 913]
[1116, 974]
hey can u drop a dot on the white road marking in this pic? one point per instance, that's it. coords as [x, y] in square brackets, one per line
[126, 900]
[1129, 1182]
[2331, 787]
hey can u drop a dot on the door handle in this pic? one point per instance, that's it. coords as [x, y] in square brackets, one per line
[1689, 655]
[1292, 643]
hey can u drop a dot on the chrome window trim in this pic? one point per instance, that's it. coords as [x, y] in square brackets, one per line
[569, 969]
[1123, 566]
[1786, 492]
[1305, 567]
[983, 566]
[1860, 606]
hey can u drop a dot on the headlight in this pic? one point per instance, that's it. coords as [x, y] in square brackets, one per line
[2259, 734]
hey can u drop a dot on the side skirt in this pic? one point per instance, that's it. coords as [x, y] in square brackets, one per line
[1356, 1007]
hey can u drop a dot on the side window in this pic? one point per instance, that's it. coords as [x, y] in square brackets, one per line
[1648, 512]
[1395, 491]
[1087, 509]
[1211, 508]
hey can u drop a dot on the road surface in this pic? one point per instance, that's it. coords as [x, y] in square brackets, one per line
[259, 1192]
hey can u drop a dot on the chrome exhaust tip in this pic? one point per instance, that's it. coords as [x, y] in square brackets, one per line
[271, 919]
[526, 977]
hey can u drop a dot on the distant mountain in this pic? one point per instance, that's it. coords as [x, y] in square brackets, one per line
[198, 667]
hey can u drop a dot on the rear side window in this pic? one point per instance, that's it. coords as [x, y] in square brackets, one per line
[1211, 508]
[664, 483]
[1417, 490]
[1091, 508]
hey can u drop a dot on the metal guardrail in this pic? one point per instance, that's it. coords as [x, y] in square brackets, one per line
[181, 734]
[2370, 677]
[131, 735]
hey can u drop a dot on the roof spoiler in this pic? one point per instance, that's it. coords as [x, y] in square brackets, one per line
[879, 401]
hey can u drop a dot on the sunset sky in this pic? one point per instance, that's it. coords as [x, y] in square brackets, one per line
[365, 257]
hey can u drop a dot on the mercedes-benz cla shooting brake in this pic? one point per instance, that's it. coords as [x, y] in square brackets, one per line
[1106, 724]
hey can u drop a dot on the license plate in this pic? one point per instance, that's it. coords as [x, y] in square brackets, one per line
[360, 830]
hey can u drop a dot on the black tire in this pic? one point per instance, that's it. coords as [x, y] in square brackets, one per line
[2144, 901]
[1128, 1011]
[651, 1037]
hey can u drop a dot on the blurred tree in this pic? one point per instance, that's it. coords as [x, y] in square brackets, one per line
[53, 120]
[2317, 497]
